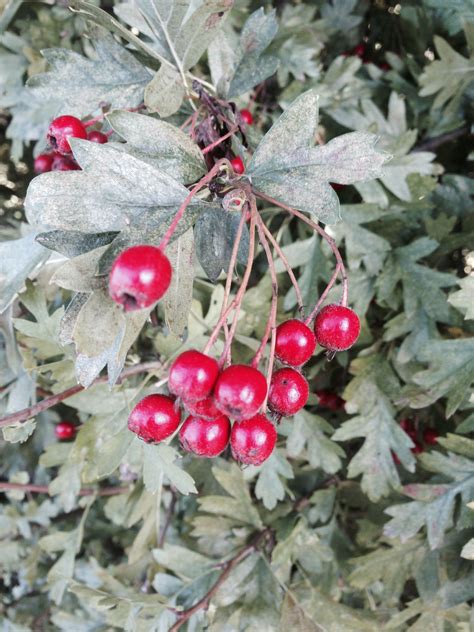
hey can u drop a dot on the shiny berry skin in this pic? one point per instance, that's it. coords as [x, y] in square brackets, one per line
[295, 342]
[154, 418]
[336, 327]
[43, 163]
[326, 399]
[246, 116]
[65, 430]
[430, 436]
[253, 440]
[239, 392]
[64, 163]
[289, 392]
[203, 437]
[238, 165]
[139, 277]
[204, 408]
[97, 137]
[192, 375]
[62, 129]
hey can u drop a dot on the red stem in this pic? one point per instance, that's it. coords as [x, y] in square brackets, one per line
[323, 296]
[207, 149]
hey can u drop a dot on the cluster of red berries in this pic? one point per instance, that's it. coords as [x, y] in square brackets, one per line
[60, 131]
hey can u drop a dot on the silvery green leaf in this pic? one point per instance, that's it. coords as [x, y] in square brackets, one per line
[179, 297]
[19, 432]
[463, 299]
[165, 92]
[221, 56]
[159, 461]
[269, 487]
[78, 273]
[307, 440]
[72, 243]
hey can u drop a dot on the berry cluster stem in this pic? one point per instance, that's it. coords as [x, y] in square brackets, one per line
[220, 140]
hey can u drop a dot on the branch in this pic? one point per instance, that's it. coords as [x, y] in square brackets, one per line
[27, 413]
[433, 143]
[44, 489]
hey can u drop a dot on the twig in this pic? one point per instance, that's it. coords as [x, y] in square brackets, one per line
[220, 140]
[27, 413]
[43, 489]
[437, 141]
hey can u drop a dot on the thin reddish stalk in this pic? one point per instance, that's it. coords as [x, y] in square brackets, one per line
[323, 296]
[44, 489]
[220, 140]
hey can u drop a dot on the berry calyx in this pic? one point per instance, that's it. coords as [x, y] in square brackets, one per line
[289, 392]
[62, 129]
[295, 342]
[139, 277]
[192, 375]
[154, 418]
[238, 165]
[65, 430]
[63, 163]
[205, 437]
[43, 163]
[240, 390]
[430, 436]
[336, 327]
[246, 116]
[204, 408]
[326, 399]
[97, 137]
[252, 441]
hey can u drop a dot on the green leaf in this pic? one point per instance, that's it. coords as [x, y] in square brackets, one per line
[19, 432]
[179, 297]
[463, 298]
[307, 440]
[72, 243]
[269, 487]
[159, 461]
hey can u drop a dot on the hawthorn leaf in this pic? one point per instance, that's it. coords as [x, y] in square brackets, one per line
[78, 273]
[307, 440]
[160, 461]
[269, 487]
[73, 243]
[179, 296]
[463, 299]
[165, 92]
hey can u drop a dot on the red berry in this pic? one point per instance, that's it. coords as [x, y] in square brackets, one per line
[407, 426]
[360, 50]
[205, 408]
[336, 327]
[43, 163]
[395, 458]
[240, 390]
[238, 165]
[246, 116]
[192, 375]
[154, 418]
[289, 392]
[203, 437]
[418, 449]
[97, 137]
[336, 186]
[64, 163]
[430, 436]
[62, 129]
[326, 399]
[252, 440]
[65, 430]
[139, 277]
[295, 342]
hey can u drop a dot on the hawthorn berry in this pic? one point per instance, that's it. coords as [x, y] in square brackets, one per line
[205, 408]
[43, 163]
[326, 399]
[192, 375]
[63, 163]
[295, 342]
[407, 426]
[139, 277]
[418, 449]
[336, 327]
[238, 165]
[240, 390]
[62, 129]
[154, 418]
[430, 436]
[289, 392]
[65, 430]
[205, 437]
[97, 137]
[246, 116]
[253, 440]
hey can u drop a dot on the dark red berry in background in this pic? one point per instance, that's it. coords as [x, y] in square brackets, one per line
[64, 163]
[97, 137]
[205, 408]
[246, 116]
[329, 400]
[360, 50]
[430, 436]
[139, 277]
[407, 426]
[336, 327]
[336, 186]
[238, 165]
[239, 392]
[65, 430]
[154, 418]
[295, 342]
[252, 441]
[205, 437]
[192, 375]
[418, 449]
[62, 129]
[43, 163]
[289, 392]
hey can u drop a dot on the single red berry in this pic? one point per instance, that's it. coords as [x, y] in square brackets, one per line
[62, 129]
[154, 418]
[418, 449]
[289, 392]
[253, 440]
[360, 50]
[407, 426]
[139, 277]
[43, 163]
[385, 66]
[192, 375]
[430, 436]
[246, 116]
[295, 342]
[240, 390]
[64, 163]
[97, 137]
[326, 399]
[65, 430]
[238, 165]
[204, 408]
[205, 437]
[336, 327]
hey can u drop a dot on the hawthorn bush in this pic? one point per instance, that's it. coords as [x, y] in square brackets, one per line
[237, 308]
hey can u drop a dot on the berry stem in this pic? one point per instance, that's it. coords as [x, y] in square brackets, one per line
[323, 296]
[219, 141]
